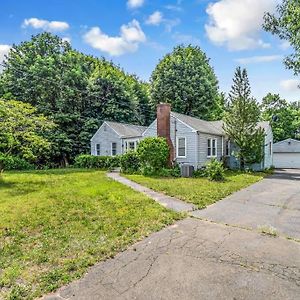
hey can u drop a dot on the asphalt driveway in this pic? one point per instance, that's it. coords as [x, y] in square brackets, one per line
[207, 259]
[274, 201]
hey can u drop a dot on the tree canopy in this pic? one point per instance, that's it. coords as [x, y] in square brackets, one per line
[77, 91]
[241, 121]
[286, 25]
[22, 130]
[185, 79]
[283, 116]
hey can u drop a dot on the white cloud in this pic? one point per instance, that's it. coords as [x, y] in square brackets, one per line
[258, 59]
[67, 39]
[135, 3]
[173, 7]
[170, 23]
[4, 49]
[290, 85]
[155, 19]
[131, 35]
[237, 23]
[185, 38]
[45, 24]
[285, 45]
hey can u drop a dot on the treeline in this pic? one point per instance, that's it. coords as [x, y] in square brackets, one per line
[76, 93]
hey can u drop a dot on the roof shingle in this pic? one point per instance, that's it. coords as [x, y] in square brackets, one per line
[126, 130]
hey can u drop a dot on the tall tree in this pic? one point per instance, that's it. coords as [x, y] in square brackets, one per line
[185, 79]
[79, 92]
[241, 121]
[282, 115]
[286, 25]
[22, 131]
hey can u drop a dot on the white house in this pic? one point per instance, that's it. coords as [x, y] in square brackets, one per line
[192, 140]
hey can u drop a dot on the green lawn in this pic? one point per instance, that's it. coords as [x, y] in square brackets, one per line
[55, 224]
[199, 191]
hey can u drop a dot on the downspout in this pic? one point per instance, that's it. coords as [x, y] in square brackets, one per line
[222, 146]
[197, 149]
[175, 138]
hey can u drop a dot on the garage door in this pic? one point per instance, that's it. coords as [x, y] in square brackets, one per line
[286, 160]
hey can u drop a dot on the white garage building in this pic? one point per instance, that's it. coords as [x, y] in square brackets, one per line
[286, 154]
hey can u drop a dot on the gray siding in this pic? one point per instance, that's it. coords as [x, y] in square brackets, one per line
[202, 148]
[105, 136]
[287, 146]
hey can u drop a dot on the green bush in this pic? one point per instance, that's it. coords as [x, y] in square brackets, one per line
[200, 173]
[169, 172]
[97, 162]
[9, 162]
[153, 153]
[130, 162]
[215, 170]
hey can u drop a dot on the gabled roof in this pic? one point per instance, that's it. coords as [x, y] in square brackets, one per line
[214, 127]
[126, 130]
[287, 146]
[211, 127]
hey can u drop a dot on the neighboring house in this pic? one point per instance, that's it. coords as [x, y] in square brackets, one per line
[114, 138]
[193, 141]
[287, 154]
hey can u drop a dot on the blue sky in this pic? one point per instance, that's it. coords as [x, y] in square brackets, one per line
[136, 33]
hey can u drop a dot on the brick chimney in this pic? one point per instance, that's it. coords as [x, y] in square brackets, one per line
[163, 126]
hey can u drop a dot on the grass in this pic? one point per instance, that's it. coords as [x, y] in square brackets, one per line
[268, 230]
[199, 191]
[55, 224]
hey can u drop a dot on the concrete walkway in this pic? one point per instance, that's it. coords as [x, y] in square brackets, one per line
[198, 259]
[167, 201]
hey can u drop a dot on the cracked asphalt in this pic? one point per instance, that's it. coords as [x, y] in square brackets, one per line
[272, 202]
[199, 259]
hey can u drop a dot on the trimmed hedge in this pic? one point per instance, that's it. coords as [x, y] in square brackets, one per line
[97, 162]
[9, 162]
[130, 162]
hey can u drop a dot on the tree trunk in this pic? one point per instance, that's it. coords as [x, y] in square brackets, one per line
[1, 171]
[242, 163]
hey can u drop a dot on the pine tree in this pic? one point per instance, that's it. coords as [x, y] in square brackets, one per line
[241, 121]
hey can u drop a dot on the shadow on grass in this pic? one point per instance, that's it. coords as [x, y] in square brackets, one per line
[54, 171]
[6, 184]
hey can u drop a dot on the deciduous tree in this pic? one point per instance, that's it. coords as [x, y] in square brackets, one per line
[185, 79]
[286, 25]
[22, 131]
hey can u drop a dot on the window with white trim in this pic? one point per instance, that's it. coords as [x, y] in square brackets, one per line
[181, 147]
[211, 147]
[113, 149]
[227, 148]
[97, 146]
[131, 146]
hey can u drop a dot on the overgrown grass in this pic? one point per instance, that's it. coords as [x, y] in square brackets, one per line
[200, 191]
[55, 224]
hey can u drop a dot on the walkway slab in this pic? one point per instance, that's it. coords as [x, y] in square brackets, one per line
[194, 259]
[167, 201]
[274, 201]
